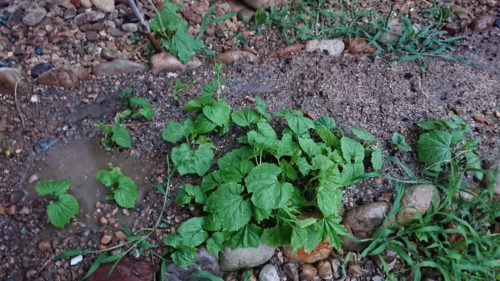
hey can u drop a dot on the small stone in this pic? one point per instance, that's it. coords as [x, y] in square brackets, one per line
[332, 47]
[231, 57]
[120, 235]
[359, 46]
[130, 27]
[107, 6]
[482, 22]
[269, 273]
[2, 210]
[166, 62]
[325, 270]
[64, 76]
[292, 271]
[106, 239]
[355, 270]
[308, 272]
[9, 77]
[88, 17]
[377, 278]
[76, 260]
[34, 15]
[11, 210]
[128, 269]
[92, 36]
[335, 268]
[416, 199]
[117, 67]
[24, 211]
[30, 274]
[40, 68]
[33, 178]
[44, 245]
[109, 53]
[321, 252]
[114, 32]
[263, 4]
[87, 4]
[103, 220]
[456, 27]
[242, 258]
[35, 99]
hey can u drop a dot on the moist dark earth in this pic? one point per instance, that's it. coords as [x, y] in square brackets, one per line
[378, 94]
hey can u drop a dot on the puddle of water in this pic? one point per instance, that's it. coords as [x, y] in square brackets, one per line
[79, 161]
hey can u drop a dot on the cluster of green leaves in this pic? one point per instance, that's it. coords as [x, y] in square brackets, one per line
[117, 133]
[122, 188]
[65, 207]
[277, 188]
[174, 34]
[454, 237]
[323, 19]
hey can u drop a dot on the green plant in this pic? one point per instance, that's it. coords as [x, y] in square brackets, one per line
[116, 133]
[65, 207]
[400, 142]
[453, 237]
[122, 188]
[179, 86]
[139, 107]
[272, 187]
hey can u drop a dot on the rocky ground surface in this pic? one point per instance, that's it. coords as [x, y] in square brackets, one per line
[64, 63]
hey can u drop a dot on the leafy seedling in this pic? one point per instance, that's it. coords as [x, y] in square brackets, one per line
[140, 107]
[64, 207]
[116, 134]
[399, 142]
[122, 188]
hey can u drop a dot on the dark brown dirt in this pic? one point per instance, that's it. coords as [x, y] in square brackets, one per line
[379, 95]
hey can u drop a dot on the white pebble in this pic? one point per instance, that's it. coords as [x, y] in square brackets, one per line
[35, 99]
[76, 260]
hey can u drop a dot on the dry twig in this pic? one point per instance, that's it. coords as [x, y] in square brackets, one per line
[145, 26]
[17, 102]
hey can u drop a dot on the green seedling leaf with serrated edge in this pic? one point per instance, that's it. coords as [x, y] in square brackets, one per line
[227, 203]
[192, 161]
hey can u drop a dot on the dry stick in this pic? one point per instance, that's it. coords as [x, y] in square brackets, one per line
[17, 101]
[145, 26]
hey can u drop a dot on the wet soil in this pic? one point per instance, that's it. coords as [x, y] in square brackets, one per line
[380, 95]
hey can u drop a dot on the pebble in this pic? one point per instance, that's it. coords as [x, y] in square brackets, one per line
[417, 198]
[231, 57]
[395, 31]
[245, 14]
[109, 53]
[24, 211]
[2, 210]
[103, 220]
[292, 271]
[321, 252]
[35, 99]
[44, 245]
[358, 46]
[106, 239]
[34, 15]
[92, 35]
[11, 210]
[43, 145]
[120, 235]
[263, 4]
[166, 62]
[269, 273]
[117, 67]
[64, 76]
[130, 27]
[107, 6]
[115, 32]
[87, 4]
[8, 79]
[30, 274]
[325, 270]
[482, 22]
[355, 270]
[40, 68]
[76, 260]
[242, 258]
[332, 47]
[308, 272]
[88, 17]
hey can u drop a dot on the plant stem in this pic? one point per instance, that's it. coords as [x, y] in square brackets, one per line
[145, 25]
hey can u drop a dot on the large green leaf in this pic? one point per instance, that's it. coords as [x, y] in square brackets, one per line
[62, 210]
[215, 243]
[203, 125]
[325, 122]
[52, 187]
[184, 257]
[184, 45]
[352, 150]
[296, 121]
[237, 171]
[190, 161]
[334, 230]
[176, 131]
[267, 191]
[235, 156]
[309, 147]
[189, 192]
[121, 136]
[328, 197]
[166, 18]
[219, 112]
[277, 236]
[328, 138]
[264, 137]
[363, 134]
[246, 117]
[434, 147]
[192, 232]
[125, 194]
[230, 208]
[247, 237]
[308, 237]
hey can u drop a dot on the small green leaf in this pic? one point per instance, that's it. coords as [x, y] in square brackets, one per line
[264, 137]
[299, 124]
[309, 147]
[62, 210]
[237, 171]
[189, 192]
[197, 103]
[184, 257]
[245, 117]
[304, 166]
[363, 134]
[267, 192]
[203, 125]
[261, 107]
[121, 136]
[434, 147]
[215, 243]
[377, 160]
[325, 122]
[235, 156]
[218, 112]
[183, 45]
[400, 142]
[328, 197]
[192, 233]
[334, 230]
[227, 204]
[125, 194]
[52, 187]
[352, 150]
[288, 170]
[190, 161]
[247, 237]
[328, 138]
[308, 237]
[277, 236]
[176, 131]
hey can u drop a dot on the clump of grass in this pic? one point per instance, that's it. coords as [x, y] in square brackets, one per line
[322, 20]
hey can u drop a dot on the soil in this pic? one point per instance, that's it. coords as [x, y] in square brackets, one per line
[378, 94]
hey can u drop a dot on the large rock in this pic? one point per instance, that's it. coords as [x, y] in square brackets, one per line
[263, 4]
[34, 15]
[166, 62]
[127, 269]
[104, 5]
[241, 258]
[117, 67]
[321, 252]
[269, 273]
[416, 199]
[204, 262]
[64, 76]
[8, 79]
[333, 47]
[363, 222]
